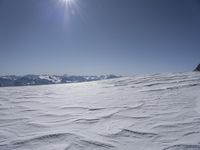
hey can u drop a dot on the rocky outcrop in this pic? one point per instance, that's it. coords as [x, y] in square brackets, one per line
[197, 68]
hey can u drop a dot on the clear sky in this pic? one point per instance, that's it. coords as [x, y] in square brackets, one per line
[99, 36]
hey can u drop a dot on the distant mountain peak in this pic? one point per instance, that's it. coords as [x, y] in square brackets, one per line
[197, 68]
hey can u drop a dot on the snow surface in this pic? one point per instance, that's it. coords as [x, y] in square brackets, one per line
[152, 112]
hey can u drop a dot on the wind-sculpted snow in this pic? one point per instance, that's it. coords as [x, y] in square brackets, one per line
[152, 112]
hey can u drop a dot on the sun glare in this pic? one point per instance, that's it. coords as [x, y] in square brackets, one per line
[70, 9]
[69, 4]
[66, 2]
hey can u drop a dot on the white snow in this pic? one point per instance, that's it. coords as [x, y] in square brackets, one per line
[52, 78]
[152, 112]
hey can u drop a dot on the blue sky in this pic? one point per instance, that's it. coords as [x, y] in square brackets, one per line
[92, 37]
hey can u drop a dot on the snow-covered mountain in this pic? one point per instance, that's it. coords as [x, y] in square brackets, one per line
[48, 79]
[197, 68]
[150, 112]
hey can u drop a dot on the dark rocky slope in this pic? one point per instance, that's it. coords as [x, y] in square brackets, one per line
[197, 68]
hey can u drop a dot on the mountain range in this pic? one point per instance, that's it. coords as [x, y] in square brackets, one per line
[12, 80]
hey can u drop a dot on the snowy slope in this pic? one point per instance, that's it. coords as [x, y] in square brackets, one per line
[152, 112]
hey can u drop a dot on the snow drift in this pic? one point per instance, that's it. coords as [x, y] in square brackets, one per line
[152, 112]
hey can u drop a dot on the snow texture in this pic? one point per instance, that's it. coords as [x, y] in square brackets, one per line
[152, 112]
